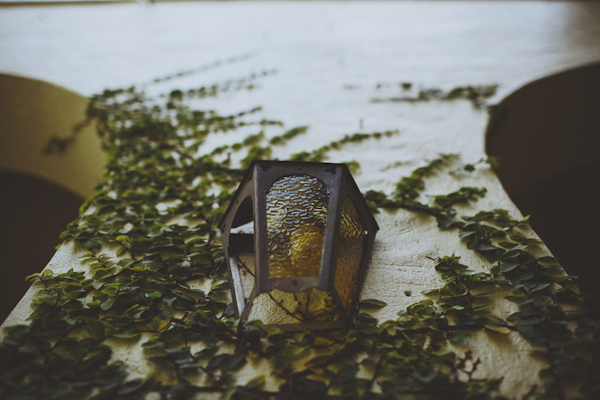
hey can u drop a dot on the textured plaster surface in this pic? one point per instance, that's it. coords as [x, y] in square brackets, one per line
[32, 112]
[330, 59]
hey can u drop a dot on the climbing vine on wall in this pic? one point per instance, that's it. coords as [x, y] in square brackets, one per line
[154, 277]
[478, 96]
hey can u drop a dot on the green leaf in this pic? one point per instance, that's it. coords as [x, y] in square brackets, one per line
[131, 309]
[498, 328]
[372, 303]
[256, 323]
[218, 213]
[93, 244]
[315, 362]
[539, 287]
[95, 328]
[567, 278]
[255, 383]
[227, 362]
[508, 245]
[32, 276]
[294, 351]
[97, 285]
[460, 337]
[507, 266]
[518, 238]
[106, 305]
[524, 301]
[366, 319]
[464, 234]
[161, 361]
[218, 285]
[129, 334]
[274, 331]
[280, 363]
[445, 223]
[372, 207]
[175, 258]
[228, 394]
[548, 260]
[169, 300]
[102, 275]
[126, 262]
[473, 243]
[322, 342]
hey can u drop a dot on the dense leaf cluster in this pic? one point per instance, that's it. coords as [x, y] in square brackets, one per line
[562, 323]
[154, 278]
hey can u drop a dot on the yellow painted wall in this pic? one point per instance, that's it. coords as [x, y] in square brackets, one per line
[31, 112]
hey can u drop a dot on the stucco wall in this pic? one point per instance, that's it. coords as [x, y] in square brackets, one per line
[407, 241]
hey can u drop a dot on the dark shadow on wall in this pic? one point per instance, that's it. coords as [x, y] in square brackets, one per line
[565, 213]
[33, 213]
[547, 136]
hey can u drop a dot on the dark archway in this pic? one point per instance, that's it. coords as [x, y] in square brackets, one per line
[33, 213]
[547, 136]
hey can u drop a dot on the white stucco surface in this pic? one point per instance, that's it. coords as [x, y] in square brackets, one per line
[89, 48]
[329, 59]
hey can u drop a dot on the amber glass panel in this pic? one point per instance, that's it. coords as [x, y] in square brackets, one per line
[350, 252]
[296, 213]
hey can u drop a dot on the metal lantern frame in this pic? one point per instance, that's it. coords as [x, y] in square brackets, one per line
[249, 203]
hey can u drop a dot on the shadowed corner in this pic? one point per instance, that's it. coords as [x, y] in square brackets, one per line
[33, 213]
[547, 136]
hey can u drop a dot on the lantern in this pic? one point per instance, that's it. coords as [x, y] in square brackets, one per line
[297, 238]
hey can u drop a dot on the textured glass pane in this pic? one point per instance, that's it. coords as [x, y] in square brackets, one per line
[350, 253]
[296, 213]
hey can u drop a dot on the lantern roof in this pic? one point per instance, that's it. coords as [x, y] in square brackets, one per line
[290, 164]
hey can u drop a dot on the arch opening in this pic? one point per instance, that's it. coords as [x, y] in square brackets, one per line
[547, 136]
[33, 213]
[39, 193]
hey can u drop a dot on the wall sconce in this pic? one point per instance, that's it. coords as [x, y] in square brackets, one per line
[297, 239]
